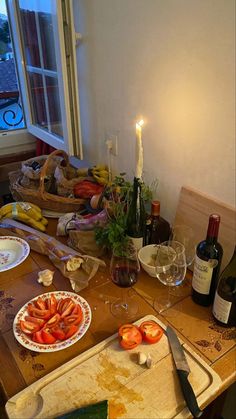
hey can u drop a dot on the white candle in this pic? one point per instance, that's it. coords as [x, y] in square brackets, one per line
[139, 150]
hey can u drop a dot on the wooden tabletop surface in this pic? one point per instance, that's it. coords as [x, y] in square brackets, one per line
[19, 367]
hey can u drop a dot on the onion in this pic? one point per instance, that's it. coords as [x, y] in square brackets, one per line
[94, 201]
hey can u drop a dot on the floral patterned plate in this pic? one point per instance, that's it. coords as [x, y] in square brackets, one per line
[28, 343]
[13, 251]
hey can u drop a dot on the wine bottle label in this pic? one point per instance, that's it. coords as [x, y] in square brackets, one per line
[137, 242]
[221, 309]
[202, 275]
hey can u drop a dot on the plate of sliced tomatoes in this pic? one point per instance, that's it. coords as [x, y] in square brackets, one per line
[52, 321]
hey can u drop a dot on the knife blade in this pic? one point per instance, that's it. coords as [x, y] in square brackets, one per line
[183, 371]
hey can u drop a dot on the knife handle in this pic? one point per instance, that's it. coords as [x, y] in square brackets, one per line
[188, 394]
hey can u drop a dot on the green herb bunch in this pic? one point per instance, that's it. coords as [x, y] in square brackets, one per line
[112, 236]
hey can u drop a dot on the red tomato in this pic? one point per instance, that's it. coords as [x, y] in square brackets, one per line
[58, 333]
[67, 309]
[52, 304]
[129, 336]
[36, 312]
[73, 319]
[52, 322]
[40, 303]
[31, 319]
[47, 336]
[70, 331]
[28, 327]
[151, 331]
[77, 310]
[63, 304]
[37, 337]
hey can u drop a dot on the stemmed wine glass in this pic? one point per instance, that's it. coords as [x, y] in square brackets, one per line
[124, 269]
[185, 235]
[170, 265]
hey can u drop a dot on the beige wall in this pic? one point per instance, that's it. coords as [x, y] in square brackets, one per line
[171, 61]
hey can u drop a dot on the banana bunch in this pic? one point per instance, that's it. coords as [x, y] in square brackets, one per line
[99, 173]
[26, 212]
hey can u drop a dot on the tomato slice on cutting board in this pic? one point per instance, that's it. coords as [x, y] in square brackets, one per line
[151, 331]
[129, 336]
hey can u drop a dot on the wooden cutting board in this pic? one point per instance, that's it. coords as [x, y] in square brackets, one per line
[194, 209]
[107, 372]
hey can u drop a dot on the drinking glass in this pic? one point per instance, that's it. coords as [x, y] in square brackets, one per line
[124, 269]
[185, 235]
[170, 265]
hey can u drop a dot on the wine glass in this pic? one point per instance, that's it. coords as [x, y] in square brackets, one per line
[124, 269]
[171, 266]
[185, 235]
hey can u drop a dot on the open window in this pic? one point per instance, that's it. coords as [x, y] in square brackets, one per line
[44, 44]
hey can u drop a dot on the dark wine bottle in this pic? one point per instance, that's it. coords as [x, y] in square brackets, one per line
[157, 228]
[207, 264]
[136, 217]
[224, 307]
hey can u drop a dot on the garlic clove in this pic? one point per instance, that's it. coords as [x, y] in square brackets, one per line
[141, 358]
[149, 361]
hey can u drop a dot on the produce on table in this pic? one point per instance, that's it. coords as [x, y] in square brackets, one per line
[49, 321]
[86, 189]
[26, 212]
[99, 172]
[151, 331]
[130, 336]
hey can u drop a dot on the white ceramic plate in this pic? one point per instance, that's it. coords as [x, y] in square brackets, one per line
[13, 251]
[28, 343]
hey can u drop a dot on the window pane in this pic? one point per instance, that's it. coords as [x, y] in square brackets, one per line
[47, 39]
[30, 36]
[54, 105]
[11, 112]
[37, 98]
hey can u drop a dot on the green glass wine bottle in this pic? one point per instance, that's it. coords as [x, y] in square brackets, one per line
[136, 218]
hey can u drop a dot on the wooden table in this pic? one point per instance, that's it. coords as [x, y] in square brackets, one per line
[20, 367]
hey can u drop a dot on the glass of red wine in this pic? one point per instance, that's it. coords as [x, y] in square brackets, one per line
[124, 268]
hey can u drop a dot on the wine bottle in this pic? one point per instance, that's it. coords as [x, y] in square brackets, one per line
[207, 264]
[157, 228]
[224, 307]
[136, 216]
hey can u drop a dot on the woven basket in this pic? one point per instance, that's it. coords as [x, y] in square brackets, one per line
[41, 197]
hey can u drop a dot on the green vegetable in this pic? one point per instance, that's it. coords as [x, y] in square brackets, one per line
[94, 411]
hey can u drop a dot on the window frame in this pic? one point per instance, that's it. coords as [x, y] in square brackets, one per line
[67, 78]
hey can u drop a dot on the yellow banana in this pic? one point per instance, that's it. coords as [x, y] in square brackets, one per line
[26, 220]
[21, 207]
[44, 221]
[101, 180]
[100, 173]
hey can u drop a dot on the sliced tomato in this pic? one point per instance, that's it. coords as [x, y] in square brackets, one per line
[53, 321]
[40, 303]
[28, 327]
[77, 310]
[36, 312]
[70, 331]
[47, 336]
[151, 331]
[129, 336]
[73, 319]
[36, 320]
[58, 333]
[52, 304]
[62, 304]
[67, 309]
[37, 337]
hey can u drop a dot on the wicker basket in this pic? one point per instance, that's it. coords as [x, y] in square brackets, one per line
[41, 197]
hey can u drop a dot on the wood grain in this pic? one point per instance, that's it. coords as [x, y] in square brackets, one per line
[194, 209]
[108, 372]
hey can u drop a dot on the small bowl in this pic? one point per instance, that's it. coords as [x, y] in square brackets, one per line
[145, 258]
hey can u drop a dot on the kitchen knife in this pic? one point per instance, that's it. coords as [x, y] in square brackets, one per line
[183, 371]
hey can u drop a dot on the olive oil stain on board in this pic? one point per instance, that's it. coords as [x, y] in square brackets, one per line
[108, 380]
